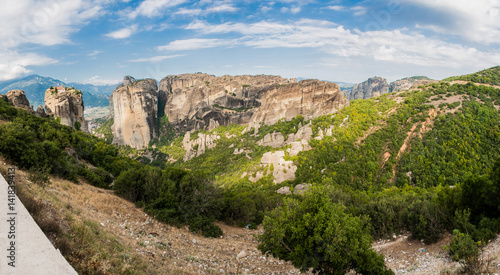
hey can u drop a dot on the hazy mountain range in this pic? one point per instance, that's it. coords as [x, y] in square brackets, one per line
[35, 85]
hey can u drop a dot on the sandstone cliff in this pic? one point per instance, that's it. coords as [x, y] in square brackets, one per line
[309, 98]
[67, 104]
[410, 82]
[202, 101]
[373, 87]
[134, 108]
[18, 99]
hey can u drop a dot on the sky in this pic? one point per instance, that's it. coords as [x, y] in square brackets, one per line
[100, 41]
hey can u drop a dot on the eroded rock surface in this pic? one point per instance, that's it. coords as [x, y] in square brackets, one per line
[373, 87]
[282, 169]
[134, 107]
[309, 98]
[18, 99]
[409, 83]
[202, 101]
[199, 145]
[67, 104]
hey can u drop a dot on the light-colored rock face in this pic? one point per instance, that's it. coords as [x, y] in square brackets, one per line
[409, 83]
[198, 146]
[374, 86]
[309, 98]
[202, 101]
[282, 169]
[67, 105]
[134, 108]
[18, 99]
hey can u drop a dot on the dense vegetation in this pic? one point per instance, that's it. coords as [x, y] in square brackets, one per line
[488, 76]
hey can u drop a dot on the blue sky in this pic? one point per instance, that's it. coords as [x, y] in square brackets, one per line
[100, 41]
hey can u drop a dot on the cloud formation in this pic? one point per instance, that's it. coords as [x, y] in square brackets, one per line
[123, 33]
[398, 46]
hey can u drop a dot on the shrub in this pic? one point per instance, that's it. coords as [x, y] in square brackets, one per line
[316, 233]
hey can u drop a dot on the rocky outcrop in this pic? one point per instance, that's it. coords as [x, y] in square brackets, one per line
[409, 83]
[373, 87]
[282, 170]
[40, 111]
[202, 101]
[18, 99]
[199, 145]
[66, 104]
[309, 98]
[134, 108]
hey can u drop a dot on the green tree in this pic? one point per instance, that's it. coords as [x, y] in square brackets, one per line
[316, 233]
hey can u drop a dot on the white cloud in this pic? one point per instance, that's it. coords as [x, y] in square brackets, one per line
[157, 59]
[476, 21]
[221, 8]
[94, 53]
[211, 9]
[14, 65]
[335, 8]
[359, 10]
[397, 46]
[293, 10]
[266, 8]
[42, 23]
[194, 44]
[123, 33]
[151, 8]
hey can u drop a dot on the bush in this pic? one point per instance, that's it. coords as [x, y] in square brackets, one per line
[464, 250]
[205, 227]
[316, 233]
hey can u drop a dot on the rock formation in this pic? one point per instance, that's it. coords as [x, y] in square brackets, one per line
[40, 111]
[373, 87]
[410, 82]
[202, 101]
[67, 104]
[309, 98]
[134, 108]
[18, 99]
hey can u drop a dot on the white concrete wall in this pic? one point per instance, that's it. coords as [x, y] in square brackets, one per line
[34, 254]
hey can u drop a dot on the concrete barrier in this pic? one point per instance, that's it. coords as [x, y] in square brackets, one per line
[24, 249]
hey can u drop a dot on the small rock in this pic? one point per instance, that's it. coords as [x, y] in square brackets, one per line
[195, 241]
[242, 254]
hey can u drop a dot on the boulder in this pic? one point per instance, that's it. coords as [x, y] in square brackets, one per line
[284, 190]
[300, 189]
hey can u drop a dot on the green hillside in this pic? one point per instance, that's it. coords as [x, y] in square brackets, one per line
[489, 76]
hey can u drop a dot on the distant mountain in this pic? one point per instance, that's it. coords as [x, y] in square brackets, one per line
[35, 86]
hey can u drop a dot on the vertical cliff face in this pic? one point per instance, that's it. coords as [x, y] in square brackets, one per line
[18, 99]
[374, 86]
[309, 98]
[202, 101]
[67, 104]
[134, 108]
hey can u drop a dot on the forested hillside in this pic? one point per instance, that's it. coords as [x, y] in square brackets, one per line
[489, 76]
